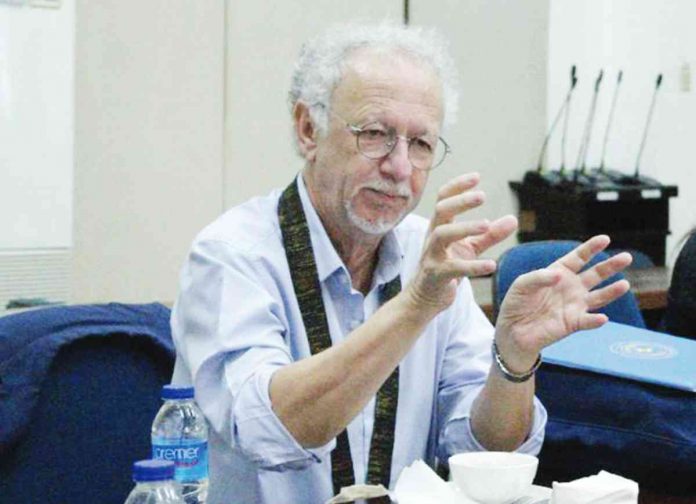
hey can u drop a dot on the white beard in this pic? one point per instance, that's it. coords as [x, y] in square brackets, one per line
[381, 226]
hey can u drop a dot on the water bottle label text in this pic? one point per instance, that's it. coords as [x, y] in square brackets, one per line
[189, 455]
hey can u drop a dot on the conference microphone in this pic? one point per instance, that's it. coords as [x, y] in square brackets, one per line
[581, 162]
[573, 82]
[610, 120]
[636, 174]
[566, 101]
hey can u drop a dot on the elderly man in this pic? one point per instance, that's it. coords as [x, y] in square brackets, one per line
[332, 337]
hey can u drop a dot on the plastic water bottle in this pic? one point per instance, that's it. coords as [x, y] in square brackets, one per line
[154, 483]
[180, 434]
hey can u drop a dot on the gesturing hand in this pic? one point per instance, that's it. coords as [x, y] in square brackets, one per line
[452, 248]
[546, 305]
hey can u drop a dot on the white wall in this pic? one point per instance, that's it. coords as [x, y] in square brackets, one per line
[644, 38]
[263, 41]
[36, 127]
[500, 47]
[148, 142]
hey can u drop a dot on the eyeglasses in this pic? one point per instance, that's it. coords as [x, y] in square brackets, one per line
[376, 141]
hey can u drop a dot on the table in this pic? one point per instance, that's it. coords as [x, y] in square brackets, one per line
[649, 285]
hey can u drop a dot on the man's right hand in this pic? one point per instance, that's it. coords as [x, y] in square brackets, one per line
[452, 247]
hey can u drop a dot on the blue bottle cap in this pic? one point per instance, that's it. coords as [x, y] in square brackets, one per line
[174, 392]
[153, 470]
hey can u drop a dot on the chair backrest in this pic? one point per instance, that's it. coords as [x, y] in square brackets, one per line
[531, 256]
[90, 421]
[641, 260]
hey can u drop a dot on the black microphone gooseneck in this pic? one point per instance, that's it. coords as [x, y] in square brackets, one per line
[573, 82]
[566, 101]
[610, 120]
[647, 124]
[580, 163]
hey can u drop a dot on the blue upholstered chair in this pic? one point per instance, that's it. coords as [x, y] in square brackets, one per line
[599, 422]
[641, 260]
[80, 386]
[530, 256]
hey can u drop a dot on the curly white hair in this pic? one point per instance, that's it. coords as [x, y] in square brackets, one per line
[322, 60]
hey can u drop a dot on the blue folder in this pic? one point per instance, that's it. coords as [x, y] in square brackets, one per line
[629, 352]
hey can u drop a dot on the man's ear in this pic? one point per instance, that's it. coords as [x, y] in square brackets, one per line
[305, 130]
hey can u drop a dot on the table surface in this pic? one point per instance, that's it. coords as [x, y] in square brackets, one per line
[648, 284]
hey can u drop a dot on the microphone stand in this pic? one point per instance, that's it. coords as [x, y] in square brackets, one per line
[636, 179]
[580, 175]
[636, 175]
[573, 80]
[610, 121]
[540, 175]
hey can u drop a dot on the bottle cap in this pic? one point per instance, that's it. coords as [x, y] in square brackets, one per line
[174, 392]
[153, 470]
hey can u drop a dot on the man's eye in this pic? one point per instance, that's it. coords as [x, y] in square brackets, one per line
[374, 134]
[422, 144]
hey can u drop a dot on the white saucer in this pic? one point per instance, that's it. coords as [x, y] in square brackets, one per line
[537, 493]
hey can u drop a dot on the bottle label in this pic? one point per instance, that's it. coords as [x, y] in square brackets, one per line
[190, 456]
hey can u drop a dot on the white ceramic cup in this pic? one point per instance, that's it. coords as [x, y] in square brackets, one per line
[493, 477]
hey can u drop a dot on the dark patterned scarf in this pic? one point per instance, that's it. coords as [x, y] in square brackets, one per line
[305, 280]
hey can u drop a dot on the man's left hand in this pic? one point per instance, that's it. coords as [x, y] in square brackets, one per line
[546, 305]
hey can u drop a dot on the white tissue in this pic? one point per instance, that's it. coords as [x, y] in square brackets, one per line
[419, 484]
[602, 488]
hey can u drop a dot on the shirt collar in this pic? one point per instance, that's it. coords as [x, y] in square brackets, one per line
[327, 259]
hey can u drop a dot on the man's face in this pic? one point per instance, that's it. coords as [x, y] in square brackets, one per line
[352, 192]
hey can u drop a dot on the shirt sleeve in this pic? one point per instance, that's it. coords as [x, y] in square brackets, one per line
[229, 327]
[466, 364]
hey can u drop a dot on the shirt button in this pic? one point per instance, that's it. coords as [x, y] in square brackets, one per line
[354, 324]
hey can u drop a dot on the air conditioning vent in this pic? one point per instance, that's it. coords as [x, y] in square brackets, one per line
[35, 274]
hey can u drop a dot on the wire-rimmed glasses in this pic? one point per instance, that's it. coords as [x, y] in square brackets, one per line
[376, 141]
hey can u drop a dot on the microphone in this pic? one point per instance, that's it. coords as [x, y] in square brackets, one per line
[564, 105]
[610, 120]
[636, 174]
[581, 162]
[573, 82]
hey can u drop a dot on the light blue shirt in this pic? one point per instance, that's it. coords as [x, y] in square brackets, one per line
[236, 321]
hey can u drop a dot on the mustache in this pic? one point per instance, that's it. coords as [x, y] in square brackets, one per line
[399, 189]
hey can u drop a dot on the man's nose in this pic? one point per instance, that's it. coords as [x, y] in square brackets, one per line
[397, 164]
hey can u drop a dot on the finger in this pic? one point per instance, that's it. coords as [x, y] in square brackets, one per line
[603, 270]
[535, 280]
[457, 268]
[499, 230]
[446, 209]
[592, 321]
[576, 259]
[458, 185]
[602, 297]
[442, 236]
